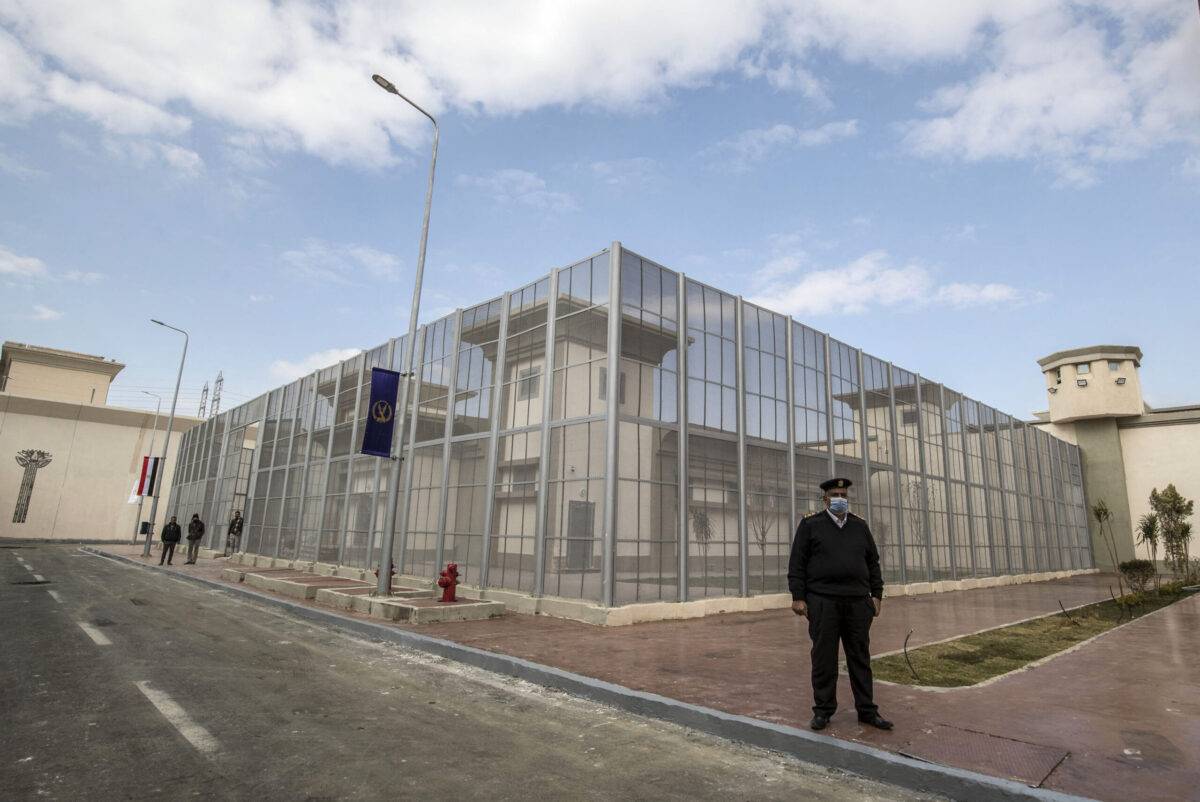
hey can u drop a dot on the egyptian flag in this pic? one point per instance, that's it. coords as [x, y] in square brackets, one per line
[149, 476]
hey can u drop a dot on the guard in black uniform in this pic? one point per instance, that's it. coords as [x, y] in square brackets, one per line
[836, 583]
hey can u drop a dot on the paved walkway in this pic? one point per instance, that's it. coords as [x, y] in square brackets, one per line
[1116, 719]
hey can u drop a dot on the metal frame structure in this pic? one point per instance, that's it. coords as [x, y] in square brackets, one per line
[611, 517]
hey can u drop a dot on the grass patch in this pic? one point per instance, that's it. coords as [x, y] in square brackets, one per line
[975, 658]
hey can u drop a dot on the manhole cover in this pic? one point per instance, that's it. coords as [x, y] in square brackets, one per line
[31, 582]
[978, 751]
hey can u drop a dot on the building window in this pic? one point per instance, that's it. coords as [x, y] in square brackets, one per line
[603, 384]
[1113, 366]
[1058, 375]
[528, 382]
[1083, 368]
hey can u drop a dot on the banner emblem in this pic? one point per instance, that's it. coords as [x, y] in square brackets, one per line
[381, 411]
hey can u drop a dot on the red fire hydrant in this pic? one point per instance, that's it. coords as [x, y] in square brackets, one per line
[448, 581]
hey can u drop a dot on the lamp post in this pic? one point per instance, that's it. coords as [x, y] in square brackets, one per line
[167, 439]
[153, 437]
[384, 587]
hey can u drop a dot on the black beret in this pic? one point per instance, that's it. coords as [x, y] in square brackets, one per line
[829, 484]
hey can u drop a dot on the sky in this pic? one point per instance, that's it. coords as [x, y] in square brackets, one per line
[959, 187]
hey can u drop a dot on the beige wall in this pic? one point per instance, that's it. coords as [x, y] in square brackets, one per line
[33, 380]
[95, 457]
[1158, 455]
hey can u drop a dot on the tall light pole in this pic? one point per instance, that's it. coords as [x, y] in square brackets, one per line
[153, 436]
[384, 587]
[167, 439]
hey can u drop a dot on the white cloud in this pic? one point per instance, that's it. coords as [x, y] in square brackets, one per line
[83, 277]
[18, 169]
[1191, 166]
[320, 261]
[283, 370]
[146, 153]
[635, 172]
[21, 267]
[749, 147]
[1073, 84]
[1073, 89]
[518, 186]
[871, 281]
[42, 312]
[260, 298]
[116, 112]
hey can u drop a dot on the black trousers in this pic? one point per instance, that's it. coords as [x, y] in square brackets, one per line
[846, 619]
[168, 552]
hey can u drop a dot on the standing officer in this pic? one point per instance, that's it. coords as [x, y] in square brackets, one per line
[836, 583]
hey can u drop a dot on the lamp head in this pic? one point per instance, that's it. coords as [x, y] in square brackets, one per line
[384, 83]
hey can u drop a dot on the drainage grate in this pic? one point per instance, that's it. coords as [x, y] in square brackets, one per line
[138, 602]
[31, 582]
[977, 751]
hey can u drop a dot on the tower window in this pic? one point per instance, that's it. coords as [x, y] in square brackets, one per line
[1083, 368]
[1113, 366]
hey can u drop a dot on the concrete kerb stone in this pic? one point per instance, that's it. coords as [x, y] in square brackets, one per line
[865, 761]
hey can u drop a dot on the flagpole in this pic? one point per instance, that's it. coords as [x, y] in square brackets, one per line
[167, 440]
[153, 435]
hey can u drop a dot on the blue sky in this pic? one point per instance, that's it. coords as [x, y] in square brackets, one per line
[956, 188]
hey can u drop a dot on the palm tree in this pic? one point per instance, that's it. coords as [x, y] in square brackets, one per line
[1148, 533]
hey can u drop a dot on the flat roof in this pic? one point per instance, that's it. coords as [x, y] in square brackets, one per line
[1092, 352]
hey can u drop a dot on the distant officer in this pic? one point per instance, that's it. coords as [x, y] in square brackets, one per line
[195, 532]
[170, 536]
[233, 536]
[836, 583]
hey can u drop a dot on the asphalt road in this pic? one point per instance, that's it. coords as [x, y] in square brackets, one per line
[122, 683]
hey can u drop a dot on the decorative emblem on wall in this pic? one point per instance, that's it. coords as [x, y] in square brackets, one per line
[31, 460]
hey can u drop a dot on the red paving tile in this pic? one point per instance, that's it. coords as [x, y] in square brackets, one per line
[1117, 719]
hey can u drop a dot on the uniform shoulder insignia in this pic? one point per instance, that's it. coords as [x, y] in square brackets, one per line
[812, 513]
[856, 517]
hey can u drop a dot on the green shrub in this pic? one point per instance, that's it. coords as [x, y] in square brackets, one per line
[1137, 573]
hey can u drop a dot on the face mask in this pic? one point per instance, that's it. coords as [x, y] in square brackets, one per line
[839, 506]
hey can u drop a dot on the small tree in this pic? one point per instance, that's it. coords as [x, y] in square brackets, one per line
[1173, 510]
[701, 534]
[1138, 573]
[761, 518]
[1103, 516]
[1148, 534]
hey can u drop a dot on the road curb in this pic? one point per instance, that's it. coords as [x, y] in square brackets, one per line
[865, 761]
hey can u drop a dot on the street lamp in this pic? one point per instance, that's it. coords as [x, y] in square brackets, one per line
[167, 439]
[153, 436]
[384, 587]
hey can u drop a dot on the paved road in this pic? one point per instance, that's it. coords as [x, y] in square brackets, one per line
[121, 683]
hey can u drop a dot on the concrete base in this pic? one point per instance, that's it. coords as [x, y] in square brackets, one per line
[233, 574]
[428, 611]
[591, 613]
[359, 599]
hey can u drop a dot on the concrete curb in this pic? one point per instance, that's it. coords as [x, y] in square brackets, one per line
[68, 541]
[865, 761]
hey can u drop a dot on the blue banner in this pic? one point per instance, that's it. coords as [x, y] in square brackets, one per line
[381, 413]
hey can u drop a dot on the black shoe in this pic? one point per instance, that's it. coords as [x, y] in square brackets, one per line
[819, 722]
[875, 720]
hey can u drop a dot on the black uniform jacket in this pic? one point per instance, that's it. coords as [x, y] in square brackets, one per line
[832, 561]
[171, 533]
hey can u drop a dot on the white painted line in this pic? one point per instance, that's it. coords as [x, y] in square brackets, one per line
[39, 577]
[99, 637]
[196, 735]
[54, 595]
[27, 567]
